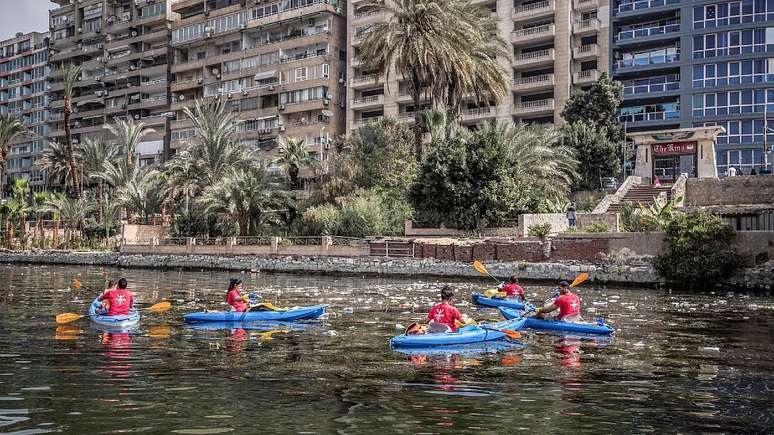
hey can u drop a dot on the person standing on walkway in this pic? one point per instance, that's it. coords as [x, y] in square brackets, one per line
[571, 215]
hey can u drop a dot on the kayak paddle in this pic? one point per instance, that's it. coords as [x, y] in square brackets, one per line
[579, 279]
[480, 268]
[71, 317]
[509, 332]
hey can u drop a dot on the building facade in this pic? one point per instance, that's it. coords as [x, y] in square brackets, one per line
[697, 63]
[24, 73]
[123, 49]
[280, 65]
[557, 46]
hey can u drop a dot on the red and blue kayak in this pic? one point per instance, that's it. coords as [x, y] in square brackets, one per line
[558, 325]
[482, 300]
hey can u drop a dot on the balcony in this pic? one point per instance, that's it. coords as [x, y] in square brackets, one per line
[584, 52]
[534, 58]
[645, 90]
[533, 34]
[650, 116]
[366, 81]
[586, 27]
[368, 102]
[633, 7]
[586, 5]
[646, 59]
[648, 32]
[543, 81]
[534, 10]
[363, 17]
[585, 77]
[478, 114]
[533, 107]
[363, 121]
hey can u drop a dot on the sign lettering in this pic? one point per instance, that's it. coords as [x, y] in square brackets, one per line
[674, 148]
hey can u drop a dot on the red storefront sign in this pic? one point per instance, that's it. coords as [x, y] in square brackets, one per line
[674, 148]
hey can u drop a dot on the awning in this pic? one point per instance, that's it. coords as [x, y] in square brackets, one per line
[265, 75]
[149, 148]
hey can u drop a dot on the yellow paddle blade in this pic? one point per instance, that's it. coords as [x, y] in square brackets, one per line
[76, 283]
[480, 268]
[580, 279]
[68, 317]
[160, 307]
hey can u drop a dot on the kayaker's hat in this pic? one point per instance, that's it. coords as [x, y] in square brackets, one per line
[564, 284]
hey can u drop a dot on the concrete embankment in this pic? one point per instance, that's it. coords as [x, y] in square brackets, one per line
[637, 271]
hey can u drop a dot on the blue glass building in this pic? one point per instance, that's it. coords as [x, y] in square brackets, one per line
[694, 63]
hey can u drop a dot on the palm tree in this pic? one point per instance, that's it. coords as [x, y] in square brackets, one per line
[96, 156]
[142, 192]
[40, 209]
[127, 135]
[72, 74]
[72, 211]
[9, 129]
[182, 176]
[246, 197]
[293, 155]
[55, 160]
[440, 47]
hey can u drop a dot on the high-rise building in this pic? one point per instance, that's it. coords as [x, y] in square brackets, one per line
[123, 49]
[24, 73]
[279, 64]
[695, 63]
[557, 46]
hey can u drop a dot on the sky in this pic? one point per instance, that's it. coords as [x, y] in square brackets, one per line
[23, 16]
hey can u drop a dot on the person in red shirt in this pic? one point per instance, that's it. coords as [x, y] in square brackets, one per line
[568, 304]
[513, 289]
[119, 300]
[234, 296]
[445, 313]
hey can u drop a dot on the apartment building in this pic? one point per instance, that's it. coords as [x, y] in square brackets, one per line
[123, 49]
[558, 46]
[697, 63]
[23, 75]
[280, 64]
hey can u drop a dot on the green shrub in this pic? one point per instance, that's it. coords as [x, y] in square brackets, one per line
[697, 252]
[596, 227]
[633, 220]
[362, 213]
[539, 230]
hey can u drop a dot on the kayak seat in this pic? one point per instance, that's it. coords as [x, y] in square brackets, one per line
[438, 328]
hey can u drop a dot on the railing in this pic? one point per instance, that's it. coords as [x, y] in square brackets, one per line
[588, 48]
[290, 59]
[173, 241]
[529, 105]
[646, 89]
[392, 248]
[590, 74]
[590, 23]
[368, 99]
[649, 31]
[301, 241]
[253, 240]
[651, 116]
[526, 57]
[366, 78]
[532, 6]
[478, 111]
[361, 122]
[532, 31]
[360, 15]
[348, 241]
[629, 6]
[543, 78]
[650, 60]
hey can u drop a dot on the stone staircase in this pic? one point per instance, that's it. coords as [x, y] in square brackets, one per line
[641, 194]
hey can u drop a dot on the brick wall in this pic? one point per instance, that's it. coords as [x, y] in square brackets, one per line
[758, 189]
[578, 249]
[531, 251]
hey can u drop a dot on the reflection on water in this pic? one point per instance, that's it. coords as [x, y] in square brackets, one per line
[679, 363]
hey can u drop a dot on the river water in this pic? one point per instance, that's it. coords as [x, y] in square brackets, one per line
[678, 362]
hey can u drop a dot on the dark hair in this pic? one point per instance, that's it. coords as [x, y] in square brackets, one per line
[447, 293]
[514, 278]
[233, 283]
[111, 284]
[564, 284]
[122, 283]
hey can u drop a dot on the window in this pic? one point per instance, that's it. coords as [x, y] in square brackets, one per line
[301, 73]
[730, 43]
[153, 10]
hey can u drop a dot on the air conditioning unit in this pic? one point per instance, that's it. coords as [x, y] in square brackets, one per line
[341, 80]
[134, 33]
[126, 16]
[281, 128]
[98, 78]
[98, 93]
[137, 2]
[80, 29]
[181, 97]
[220, 90]
[325, 29]
[215, 71]
[326, 102]
[281, 107]
[199, 81]
[109, 38]
[217, 76]
[230, 96]
[245, 93]
[243, 26]
[132, 67]
[329, 96]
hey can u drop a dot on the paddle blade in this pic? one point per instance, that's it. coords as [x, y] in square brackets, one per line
[160, 307]
[580, 279]
[68, 317]
[511, 334]
[480, 268]
[76, 283]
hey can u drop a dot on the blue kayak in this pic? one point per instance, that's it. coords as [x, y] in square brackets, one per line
[253, 326]
[290, 315]
[480, 299]
[464, 335]
[473, 349]
[117, 323]
[557, 325]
